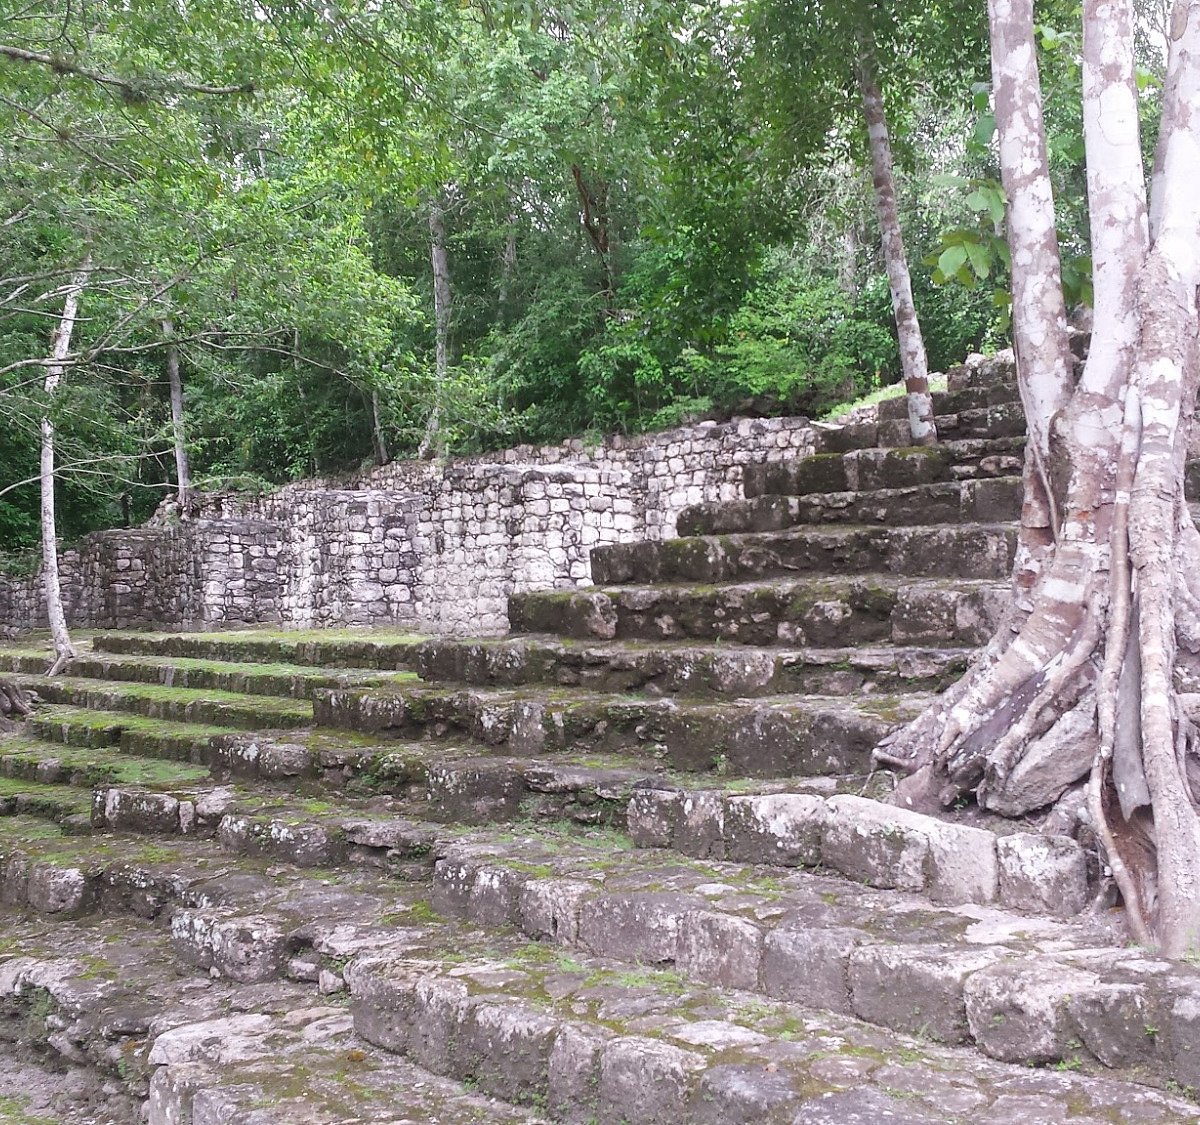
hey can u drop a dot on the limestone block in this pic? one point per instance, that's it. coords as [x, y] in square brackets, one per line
[887, 846]
[810, 965]
[916, 988]
[1042, 874]
[780, 828]
[634, 927]
[653, 816]
[645, 1081]
[720, 949]
[506, 1049]
[1018, 1011]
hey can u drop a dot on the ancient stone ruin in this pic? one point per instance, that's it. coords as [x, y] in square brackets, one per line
[626, 862]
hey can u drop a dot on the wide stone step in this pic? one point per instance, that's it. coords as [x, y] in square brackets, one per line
[64, 805]
[871, 842]
[134, 734]
[103, 998]
[174, 704]
[724, 997]
[321, 648]
[947, 551]
[688, 669]
[825, 612]
[992, 500]
[291, 681]
[29, 759]
[866, 469]
[769, 737]
[998, 421]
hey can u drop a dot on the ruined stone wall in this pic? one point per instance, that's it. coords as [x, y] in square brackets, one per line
[432, 546]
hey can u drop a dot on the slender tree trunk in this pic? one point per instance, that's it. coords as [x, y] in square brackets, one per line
[1079, 684]
[64, 650]
[593, 211]
[431, 443]
[382, 457]
[912, 347]
[508, 267]
[183, 473]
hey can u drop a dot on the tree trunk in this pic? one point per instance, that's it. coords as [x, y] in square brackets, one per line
[431, 443]
[64, 650]
[593, 212]
[183, 473]
[508, 267]
[912, 347]
[382, 457]
[1079, 683]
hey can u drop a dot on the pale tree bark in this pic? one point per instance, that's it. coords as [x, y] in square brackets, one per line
[183, 472]
[382, 456]
[431, 443]
[64, 650]
[913, 362]
[1079, 685]
[508, 267]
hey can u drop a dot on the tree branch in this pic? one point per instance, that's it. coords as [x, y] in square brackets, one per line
[134, 88]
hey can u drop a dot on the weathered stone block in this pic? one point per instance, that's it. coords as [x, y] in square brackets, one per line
[506, 1049]
[646, 1082]
[1042, 874]
[634, 927]
[575, 1072]
[810, 965]
[720, 949]
[549, 909]
[915, 988]
[653, 816]
[1018, 1011]
[782, 828]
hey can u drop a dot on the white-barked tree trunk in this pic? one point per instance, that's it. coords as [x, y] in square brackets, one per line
[1081, 698]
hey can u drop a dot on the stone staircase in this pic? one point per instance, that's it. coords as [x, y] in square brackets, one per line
[629, 863]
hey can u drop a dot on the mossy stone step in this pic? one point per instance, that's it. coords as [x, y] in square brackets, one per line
[809, 612]
[866, 469]
[174, 704]
[134, 734]
[281, 680]
[770, 737]
[947, 551]
[65, 805]
[200, 1047]
[687, 669]
[321, 648]
[28, 759]
[990, 500]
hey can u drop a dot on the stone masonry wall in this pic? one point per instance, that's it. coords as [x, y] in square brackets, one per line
[426, 545]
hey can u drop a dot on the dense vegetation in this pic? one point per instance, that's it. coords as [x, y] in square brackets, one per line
[649, 212]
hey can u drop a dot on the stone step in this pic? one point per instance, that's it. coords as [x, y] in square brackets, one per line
[24, 758]
[810, 612]
[867, 469]
[286, 680]
[946, 551]
[104, 999]
[707, 959]
[990, 500]
[987, 423]
[65, 805]
[688, 669]
[133, 734]
[870, 842]
[431, 782]
[174, 704]
[768, 737]
[581, 1038]
[320, 648]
